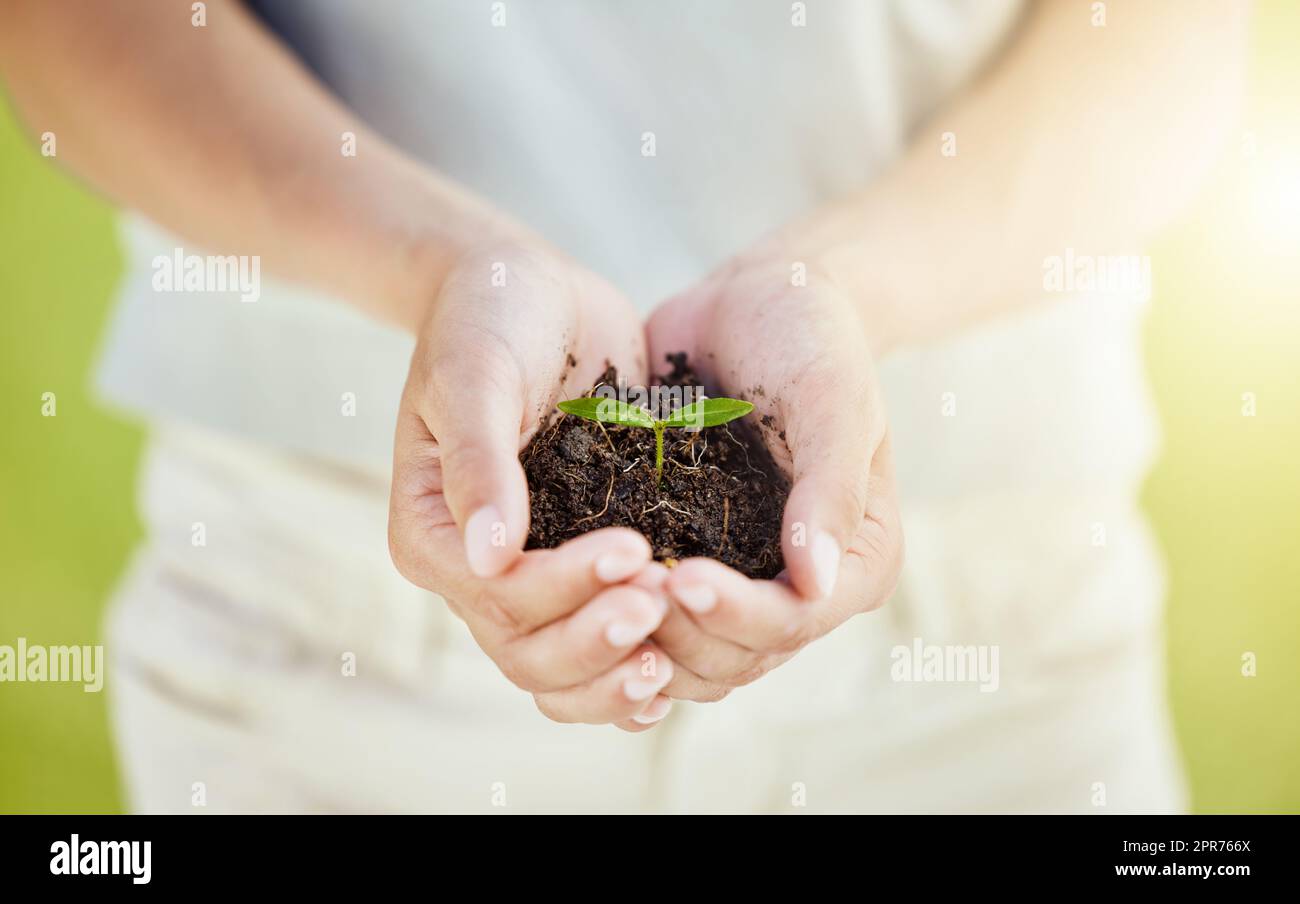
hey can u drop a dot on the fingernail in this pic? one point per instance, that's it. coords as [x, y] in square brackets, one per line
[654, 712]
[483, 531]
[617, 566]
[699, 598]
[826, 562]
[624, 634]
[636, 689]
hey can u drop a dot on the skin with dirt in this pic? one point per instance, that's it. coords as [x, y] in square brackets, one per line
[721, 495]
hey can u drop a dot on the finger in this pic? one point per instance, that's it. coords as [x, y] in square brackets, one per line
[649, 717]
[705, 668]
[831, 444]
[547, 584]
[695, 653]
[540, 586]
[496, 355]
[767, 615]
[761, 616]
[874, 560]
[651, 577]
[423, 539]
[574, 650]
[616, 696]
[475, 410]
[687, 685]
[706, 664]
[871, 565]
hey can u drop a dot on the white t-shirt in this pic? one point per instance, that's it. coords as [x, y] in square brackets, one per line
[758, 112]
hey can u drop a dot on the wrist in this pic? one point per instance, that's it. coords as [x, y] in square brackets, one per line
[822, 249]
[409, 232]
[421, 261]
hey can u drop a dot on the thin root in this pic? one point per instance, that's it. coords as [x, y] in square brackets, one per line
[665, 504]
[607, 439]
[608, 493]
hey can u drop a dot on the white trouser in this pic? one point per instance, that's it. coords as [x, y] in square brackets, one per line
[263, 577]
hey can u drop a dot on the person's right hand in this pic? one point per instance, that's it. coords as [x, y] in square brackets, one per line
[491, 361]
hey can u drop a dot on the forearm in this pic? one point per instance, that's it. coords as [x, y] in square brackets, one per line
[1081, 137]
[221, 135]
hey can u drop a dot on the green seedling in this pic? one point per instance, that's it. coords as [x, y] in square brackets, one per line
[704, 413]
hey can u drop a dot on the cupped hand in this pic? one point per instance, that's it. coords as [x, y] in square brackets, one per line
[513, 330]
[793, 343]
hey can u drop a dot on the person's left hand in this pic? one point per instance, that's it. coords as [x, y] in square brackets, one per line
[746, 328]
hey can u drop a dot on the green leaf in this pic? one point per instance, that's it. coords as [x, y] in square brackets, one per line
[709, 413]
[608, 411]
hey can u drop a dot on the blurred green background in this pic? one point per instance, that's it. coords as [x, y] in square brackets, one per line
[1224, 497]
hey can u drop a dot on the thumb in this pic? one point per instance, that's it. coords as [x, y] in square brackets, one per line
[494, 350]
[832, 445]
[475, 418]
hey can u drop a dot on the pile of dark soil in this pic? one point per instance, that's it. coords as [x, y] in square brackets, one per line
[721, 495]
